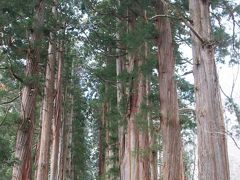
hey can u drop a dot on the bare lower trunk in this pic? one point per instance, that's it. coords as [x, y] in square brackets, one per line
[135, 164]
[65, 167]
[67, 170]
[120, 92]
[47, 113]
[128, 138]
[65, 151]
[101, 160]
[153, 157]
[61, 144]
[151, 142]
[212, 148]
[170, 124]
[23, 151]
[101, 157]
[57, 118]
[134, 139]
[143, 159]
[108, 150]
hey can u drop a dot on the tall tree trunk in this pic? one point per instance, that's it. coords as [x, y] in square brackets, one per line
[47, 111]
[109, 164]
[102, 161]
[37, 146]
[153, 154]
[57, 116]
[151, 134]
[144, 143]
[23, 151]
[61, 140]
[120, 91]
[65, 168]
[128, 136]
[120, 61]
[128, 166]
[134, 164]
[212, 147]
[105, 152]
[65, 153]
[67, 164]
[170, 124]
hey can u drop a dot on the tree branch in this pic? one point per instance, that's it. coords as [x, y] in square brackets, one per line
[235, 142]
[183, 110]
[5, 117]
[10, 101]
[15, 76]
[185, 20]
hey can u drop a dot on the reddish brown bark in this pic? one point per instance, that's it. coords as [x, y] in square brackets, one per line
[47, 113]
[102, 133]
[128, 138]
[64, 167]
[150, 142]
[120, 61]
[61, 141]
[23, 151]
[212, 147]
[170, 124]
[57, 117]
[63, 137]
[134, 164]
[65, 171]
[67, 164]
[108, 163]
[120, 93]
[101, 158]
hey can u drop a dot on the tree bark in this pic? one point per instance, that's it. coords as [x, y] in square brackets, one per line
[102, 161]
[67, 164]
[57, 117]
[108, 149]
[134, 164]
[65, 171]
[120, 92]
[47, 112]
[23, 151]
[120, 67]
[151, 134]
[170, 124]
[212, 147]
[65, 168]
[128, 166]
[61, 142]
